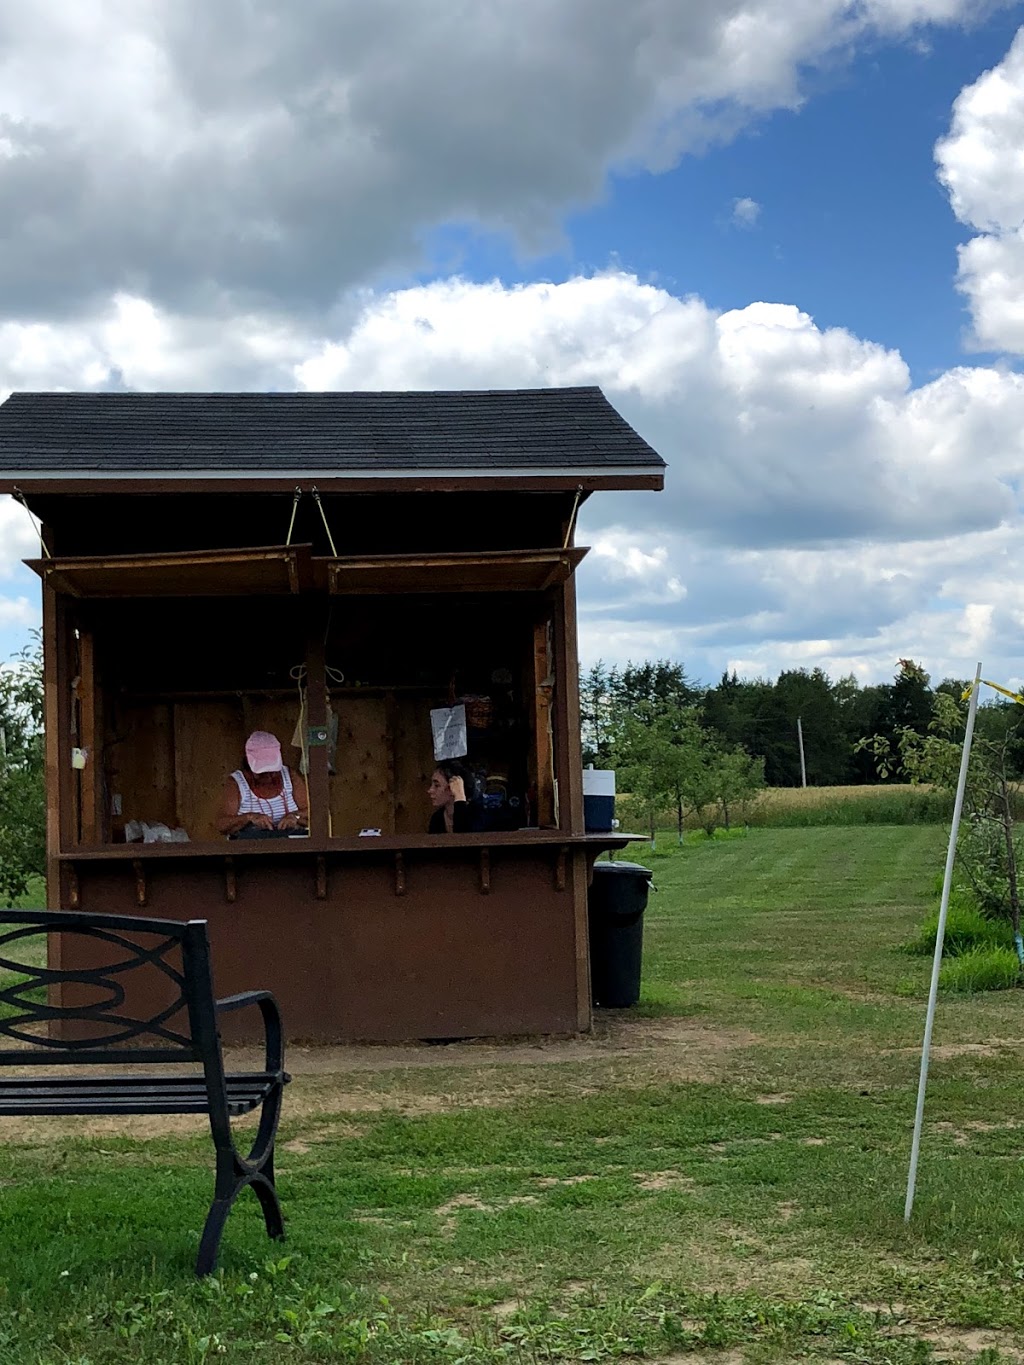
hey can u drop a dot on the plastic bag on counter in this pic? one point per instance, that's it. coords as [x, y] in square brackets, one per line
[157, 833]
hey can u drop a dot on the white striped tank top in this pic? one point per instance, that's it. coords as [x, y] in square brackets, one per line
[276, 807]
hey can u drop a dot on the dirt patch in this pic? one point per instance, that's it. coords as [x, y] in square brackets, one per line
[773, 1099]
[675, 1049]
[302, 1101]
[962, 1344]
[708, 1264]
[787, 1210]
[612, 1036]
[547, 1181]
[992, 1047]
[734, 1357]
[45, 1132]
[460, 1201]
[663, 1180]
[504, 1310]
[948, 1050]
[813, 1142]
[960, 1138]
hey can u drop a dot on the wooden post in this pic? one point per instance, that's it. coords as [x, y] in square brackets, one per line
[569, 760]
[582, 870]
[568, 748]
[52, 732]
[391, 727]
[317, 779]
[90, 737]
[542, 761]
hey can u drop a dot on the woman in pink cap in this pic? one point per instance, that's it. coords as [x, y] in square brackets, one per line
[263, 794]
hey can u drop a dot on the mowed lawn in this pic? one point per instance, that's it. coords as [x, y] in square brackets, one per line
[717, 1176]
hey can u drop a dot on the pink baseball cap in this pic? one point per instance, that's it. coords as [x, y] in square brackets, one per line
[263, 752]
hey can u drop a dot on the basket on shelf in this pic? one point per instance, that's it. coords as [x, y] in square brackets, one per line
[479, 712]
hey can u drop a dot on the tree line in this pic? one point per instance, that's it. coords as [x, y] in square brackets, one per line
[760, 716]
[682, 746]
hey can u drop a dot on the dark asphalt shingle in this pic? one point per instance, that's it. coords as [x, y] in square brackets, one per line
[570, 428]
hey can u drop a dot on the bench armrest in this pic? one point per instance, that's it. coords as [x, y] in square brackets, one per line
[271, 1021]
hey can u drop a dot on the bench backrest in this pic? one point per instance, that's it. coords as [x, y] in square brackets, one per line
[89, 1024]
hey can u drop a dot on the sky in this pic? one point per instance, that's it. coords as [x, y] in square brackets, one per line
[786, 237]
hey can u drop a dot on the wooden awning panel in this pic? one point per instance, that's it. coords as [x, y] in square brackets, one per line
[271, 570]
[487, 571]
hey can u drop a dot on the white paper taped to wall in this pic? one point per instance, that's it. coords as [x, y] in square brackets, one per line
[449, 726]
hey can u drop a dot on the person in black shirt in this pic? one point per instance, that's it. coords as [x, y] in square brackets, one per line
[453, 813]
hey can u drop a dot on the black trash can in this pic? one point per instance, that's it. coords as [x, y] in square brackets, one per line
[616, 904]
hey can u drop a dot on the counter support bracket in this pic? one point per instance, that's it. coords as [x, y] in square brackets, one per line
[485, 871]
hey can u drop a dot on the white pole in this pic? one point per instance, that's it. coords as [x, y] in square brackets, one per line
[803, 765]
[940, 933]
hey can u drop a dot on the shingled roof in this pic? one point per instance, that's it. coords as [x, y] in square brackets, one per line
[145, 435]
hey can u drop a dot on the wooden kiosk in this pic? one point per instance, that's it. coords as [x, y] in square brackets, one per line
[329, 567]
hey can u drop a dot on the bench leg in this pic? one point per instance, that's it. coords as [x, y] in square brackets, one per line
[234, 1173]
[209, 1243]
[262, 1183]
[266, 1192]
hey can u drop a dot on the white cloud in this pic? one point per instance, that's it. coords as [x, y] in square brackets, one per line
[745, 212]
[778, 431]
[181, 151]
[18, 611]
[18, 538]
[819, 510]
[981, 164]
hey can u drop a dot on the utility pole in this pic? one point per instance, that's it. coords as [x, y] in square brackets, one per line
[800, 739]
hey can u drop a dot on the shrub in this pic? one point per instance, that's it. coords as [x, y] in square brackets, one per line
[966, 929]
[981, 969]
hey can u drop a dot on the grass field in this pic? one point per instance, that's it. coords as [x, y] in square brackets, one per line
[717, 1177]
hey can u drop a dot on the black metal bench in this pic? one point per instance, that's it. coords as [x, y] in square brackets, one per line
[89, 1027]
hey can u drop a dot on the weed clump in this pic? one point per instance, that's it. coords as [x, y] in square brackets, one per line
[967, 930]
[980, 969]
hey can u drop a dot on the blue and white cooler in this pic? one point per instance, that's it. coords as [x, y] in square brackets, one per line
[598, 800]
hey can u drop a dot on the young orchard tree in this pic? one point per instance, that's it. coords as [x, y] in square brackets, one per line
[988, 848]
[671, 759]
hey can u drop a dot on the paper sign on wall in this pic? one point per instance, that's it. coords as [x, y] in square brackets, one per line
[449, 726]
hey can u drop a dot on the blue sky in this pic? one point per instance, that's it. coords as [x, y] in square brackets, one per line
[853, 227]
[546, 191]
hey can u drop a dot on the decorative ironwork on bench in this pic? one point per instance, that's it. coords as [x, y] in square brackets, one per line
[47, 1033]
[24, 994]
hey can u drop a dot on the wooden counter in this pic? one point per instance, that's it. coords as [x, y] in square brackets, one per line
[382, 939]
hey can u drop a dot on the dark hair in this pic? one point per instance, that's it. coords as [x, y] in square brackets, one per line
[451, 767]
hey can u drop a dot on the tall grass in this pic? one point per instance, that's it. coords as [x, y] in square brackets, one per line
[788, 808]
[981, 969]
[804, 807]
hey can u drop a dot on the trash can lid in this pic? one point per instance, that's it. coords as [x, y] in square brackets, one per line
[624, 870]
